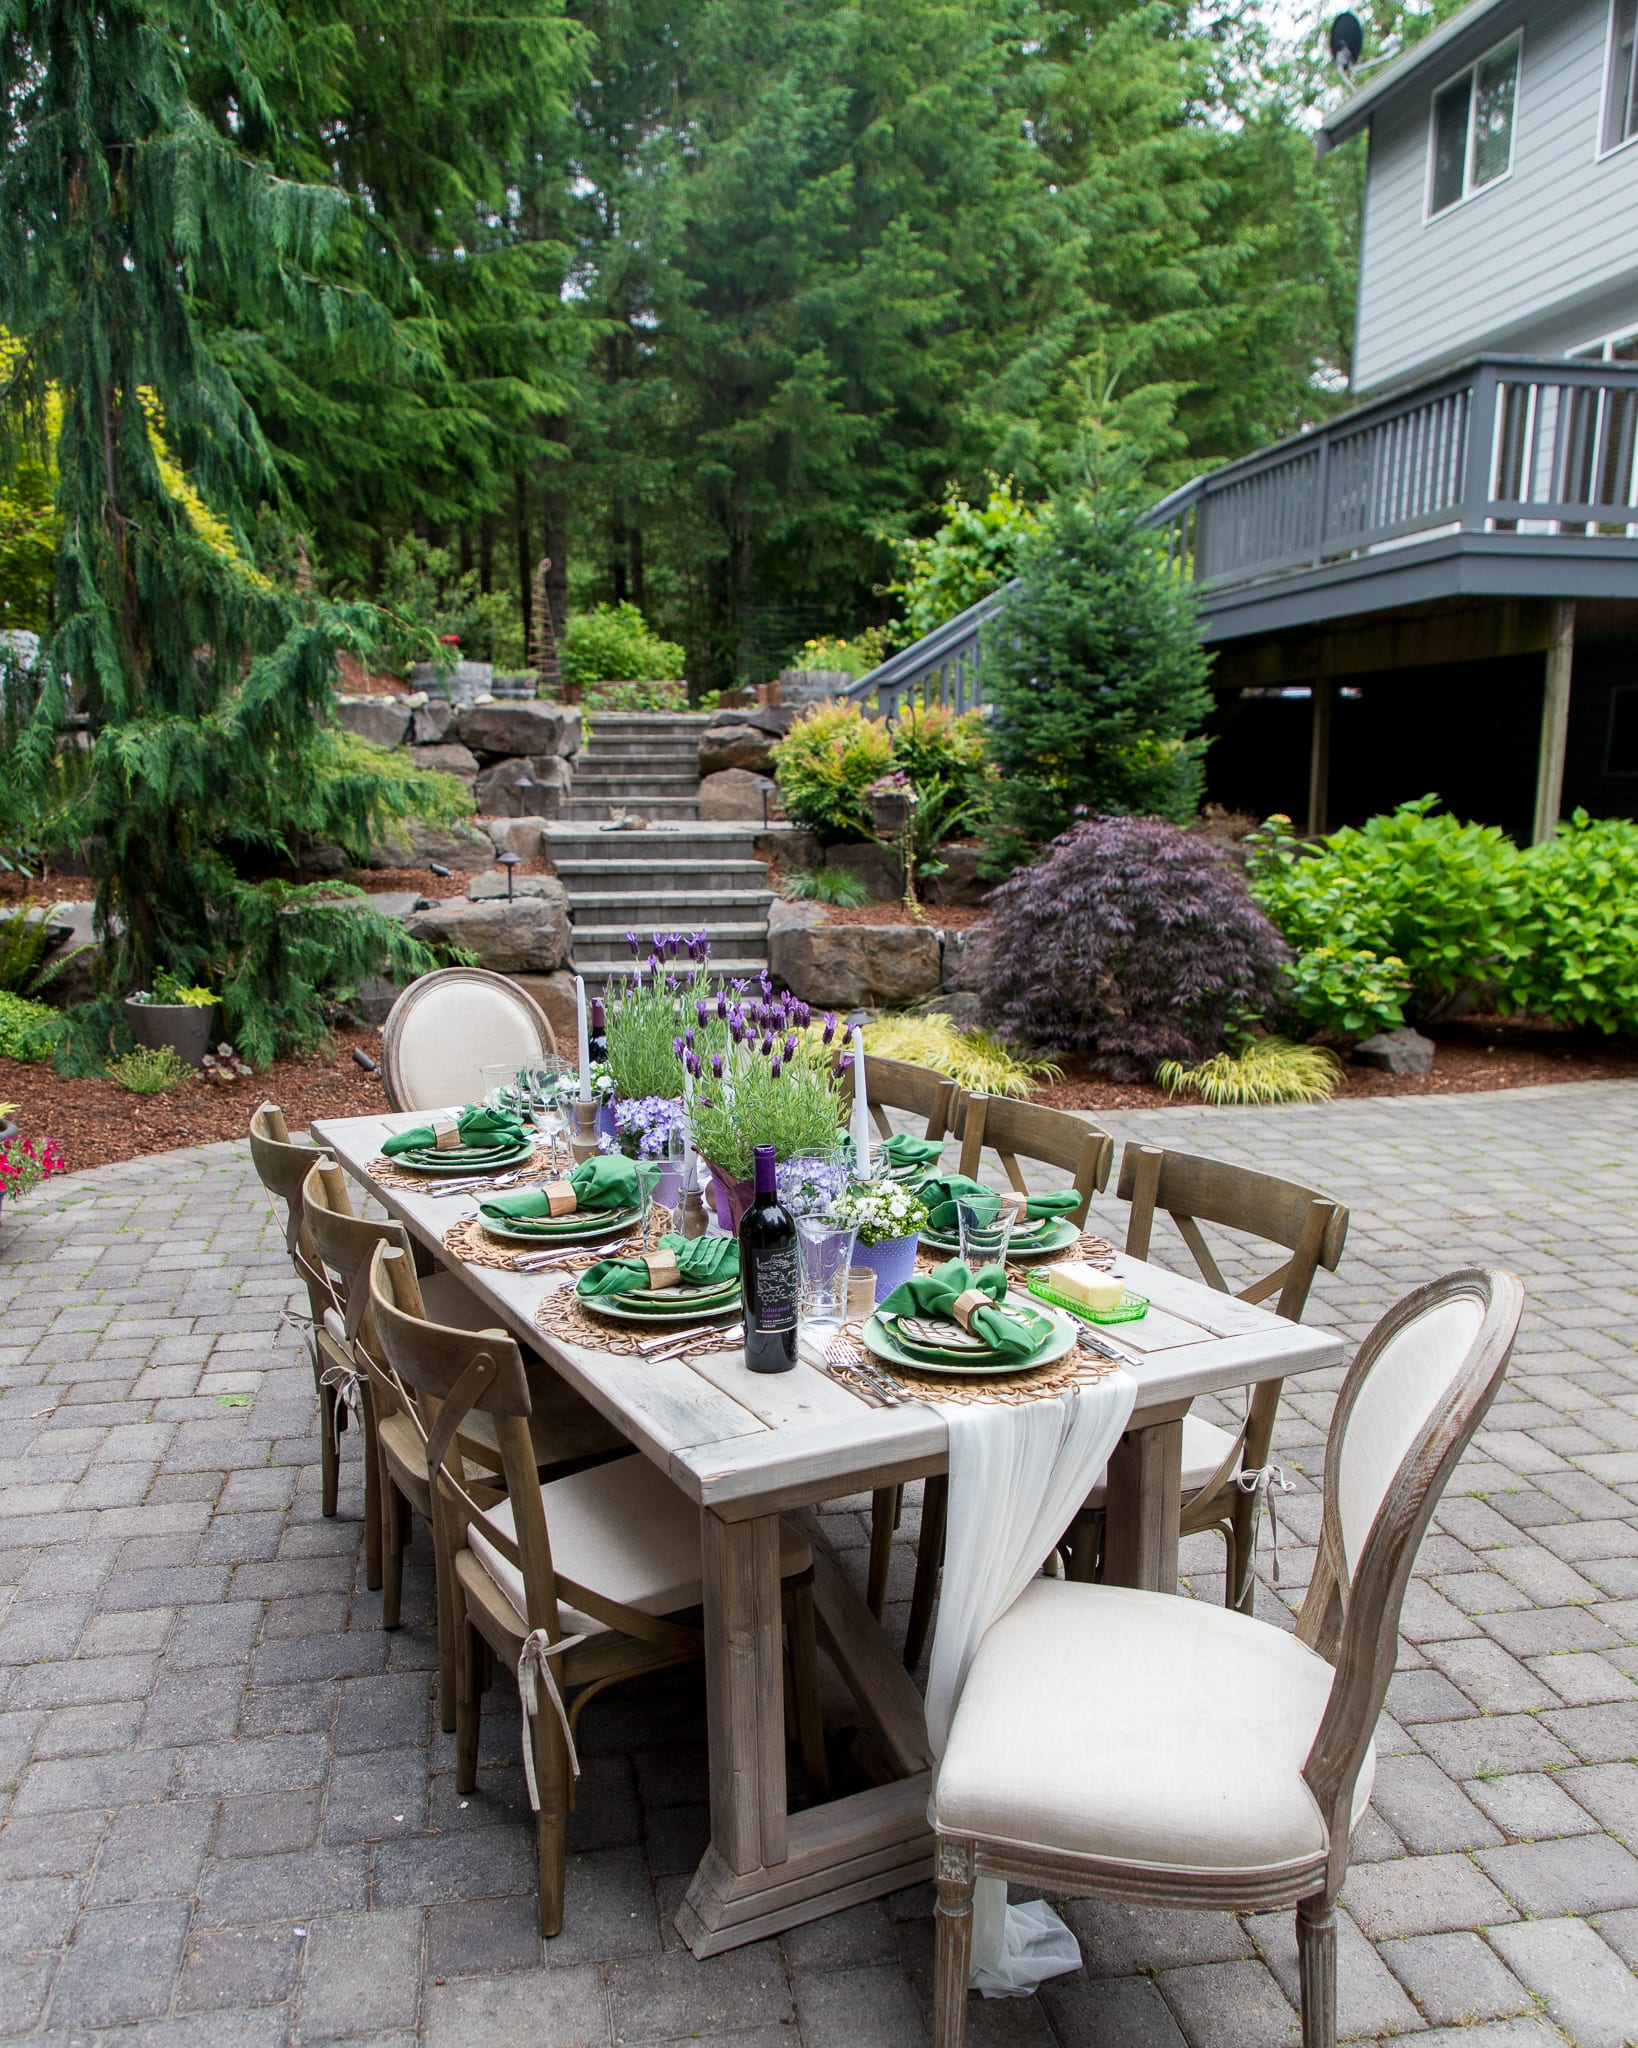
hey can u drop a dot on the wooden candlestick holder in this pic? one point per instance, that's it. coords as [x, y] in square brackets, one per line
[584, 1142]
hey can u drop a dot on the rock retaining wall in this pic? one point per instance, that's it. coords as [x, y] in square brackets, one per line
[864, 966]
[514, 757]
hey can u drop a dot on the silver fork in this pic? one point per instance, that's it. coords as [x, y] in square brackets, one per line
[571, 1255]
[840, 1351]
[1100, 1347]
[471, 1187]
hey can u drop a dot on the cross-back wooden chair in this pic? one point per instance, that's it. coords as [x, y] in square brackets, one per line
[565, 1431]
[1311, 1229]
[917, 1091]
[575, 1584]
[1015, 1132]
[1232, 1762]
[282, 1166]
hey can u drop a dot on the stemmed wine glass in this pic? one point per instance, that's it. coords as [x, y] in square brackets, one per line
[543, 1092]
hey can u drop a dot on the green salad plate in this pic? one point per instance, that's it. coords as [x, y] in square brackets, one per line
[564, 1230]
[430, 1160]
[665, 1306]
[1041, 1239]
[884, 1339]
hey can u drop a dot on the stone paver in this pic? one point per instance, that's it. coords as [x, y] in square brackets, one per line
[228, 1816]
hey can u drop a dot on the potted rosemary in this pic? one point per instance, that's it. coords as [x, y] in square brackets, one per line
[172, 1014]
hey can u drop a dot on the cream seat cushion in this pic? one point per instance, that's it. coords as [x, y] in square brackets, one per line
[448, 1300]
[1205, 1446]
[624, 1530]
[1139, 1727]
[453, 1029]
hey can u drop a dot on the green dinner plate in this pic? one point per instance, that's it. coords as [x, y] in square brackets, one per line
[666, 1301]
[883, 1344]
[1057, 1237]
[463, 1162]
[701, 1317]
[566, 1230]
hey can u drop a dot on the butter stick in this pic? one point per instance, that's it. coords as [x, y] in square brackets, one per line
[1084, 1285]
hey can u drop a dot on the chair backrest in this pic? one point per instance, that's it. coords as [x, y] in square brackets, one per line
[448, 1373]
[344, 1244]
[1027, 1130]
[450, 1024]
[282, 1167]
[1412, 1400]
[896, 1084]
[1310, 1226]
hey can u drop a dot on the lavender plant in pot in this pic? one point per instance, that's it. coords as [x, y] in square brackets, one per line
[767, 1082]
[172, 1014]
[889, 1218]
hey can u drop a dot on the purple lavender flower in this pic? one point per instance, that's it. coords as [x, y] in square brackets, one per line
[716, 1066]
[736, 1028]
[677, 1047]
[804, 1015]
[844, 1063]
[830, 1026]
[766, 1046]
[671, 984]
[740, 986]
[688, 1038]
[722, 1006]
[790, 1046]
[634, 943]
[774, 1070]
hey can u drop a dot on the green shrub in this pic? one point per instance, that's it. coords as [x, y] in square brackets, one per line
[857, 657]
[1097, 682]
[1407, 915]
[826, 885]
[975, 551]
[426, 793]
[28, 1031]
[150, 1070]
[1577, 931]
[825, 764]
[24, 935]
[427, 601]
[1267, 1070]
[612, 644]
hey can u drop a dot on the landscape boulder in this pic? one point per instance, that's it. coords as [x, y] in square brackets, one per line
[413, 843]
[527, 726]
[451, 758]
[877, 866]
[959, 883]
[745, 738]
[523, 836]
[383, 721]
[527, 936]
[845, 966]
[431, 721]
[486, 888]
[794, 847]
[735, 795]
[555, 995]
[529, 786]
[1396, 1052]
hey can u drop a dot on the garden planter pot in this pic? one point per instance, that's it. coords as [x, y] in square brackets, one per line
[184, 1027]
[732, 1197]
[889, 813]
[893, 1261]
[606, 1127]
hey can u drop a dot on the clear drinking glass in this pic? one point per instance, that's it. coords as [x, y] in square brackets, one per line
[544, 1095]
[827, 1260]
[650, 1173]
[500, 1086]
[986, 1227]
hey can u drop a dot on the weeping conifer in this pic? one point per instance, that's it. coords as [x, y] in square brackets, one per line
[128, 226]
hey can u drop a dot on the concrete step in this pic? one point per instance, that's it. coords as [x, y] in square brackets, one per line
[641, 907]
[608, 761]
[650, 781]
[597, 974]
[666, 840]
[739, 939]
[658, 721]
[669, 877]
[677, 809]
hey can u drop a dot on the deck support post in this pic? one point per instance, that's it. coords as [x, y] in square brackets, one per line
[1319, 756]
[1555, 723]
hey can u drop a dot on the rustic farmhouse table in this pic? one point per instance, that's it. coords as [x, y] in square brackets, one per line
[750, 1448]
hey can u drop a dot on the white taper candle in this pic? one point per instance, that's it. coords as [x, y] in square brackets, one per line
[861, 1109]
[585, 1038]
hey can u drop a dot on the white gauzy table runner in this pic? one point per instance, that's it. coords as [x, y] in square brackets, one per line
[1018, 1473]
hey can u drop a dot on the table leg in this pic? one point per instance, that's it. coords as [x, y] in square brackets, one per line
[1142, 1507]
[744, 1689]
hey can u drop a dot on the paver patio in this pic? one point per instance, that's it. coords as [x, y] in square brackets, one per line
[229, 1816]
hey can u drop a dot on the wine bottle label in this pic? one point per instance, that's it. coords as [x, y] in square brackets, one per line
[776, 1279]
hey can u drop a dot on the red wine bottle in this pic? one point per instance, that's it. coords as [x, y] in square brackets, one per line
[768, 1265]
[597, 1038]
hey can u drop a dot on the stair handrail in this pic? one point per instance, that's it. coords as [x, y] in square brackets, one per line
[952, 652]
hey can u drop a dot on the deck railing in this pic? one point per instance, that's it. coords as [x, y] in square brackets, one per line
[1506, 444]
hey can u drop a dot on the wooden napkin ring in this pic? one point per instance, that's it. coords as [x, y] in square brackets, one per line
[446, 1131]
[663, 1270]
[1018, 1204]
[966, 1303]
[561, 1199]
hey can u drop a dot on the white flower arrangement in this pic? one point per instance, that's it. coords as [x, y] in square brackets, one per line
[881, 1210]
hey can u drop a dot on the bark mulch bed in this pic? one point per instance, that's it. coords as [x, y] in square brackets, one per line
[1474, 1055]
[99, 1122]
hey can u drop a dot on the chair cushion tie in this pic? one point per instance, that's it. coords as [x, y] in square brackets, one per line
[534, 1676]
[1267, 1480]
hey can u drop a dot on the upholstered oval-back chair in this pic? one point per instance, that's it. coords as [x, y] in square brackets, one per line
[450, 1024]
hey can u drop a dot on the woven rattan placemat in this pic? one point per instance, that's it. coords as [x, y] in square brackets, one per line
[925, 1383]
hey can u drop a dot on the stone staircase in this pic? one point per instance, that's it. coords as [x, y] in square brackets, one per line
[642, 762]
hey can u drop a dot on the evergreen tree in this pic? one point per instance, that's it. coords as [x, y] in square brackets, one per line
[123, 212]
[1097, 681]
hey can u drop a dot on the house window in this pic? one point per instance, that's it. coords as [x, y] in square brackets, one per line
[1472, 142]
[1621, 85]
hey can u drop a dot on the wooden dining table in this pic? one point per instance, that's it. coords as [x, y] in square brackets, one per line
[751, 1448]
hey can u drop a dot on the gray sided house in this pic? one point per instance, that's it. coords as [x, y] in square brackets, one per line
[1438, 590]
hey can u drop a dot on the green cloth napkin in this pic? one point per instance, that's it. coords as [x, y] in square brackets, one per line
[701, 1262]
[478, 1126]
[935, 1293]
[902, 1150]
[943, 1193]
[609, 1182]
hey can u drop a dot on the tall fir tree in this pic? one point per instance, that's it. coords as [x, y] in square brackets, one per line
[124, 216]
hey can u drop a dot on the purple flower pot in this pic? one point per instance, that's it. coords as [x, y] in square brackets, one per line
[605, 1126]
[893, 1262]
[732, 1197]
